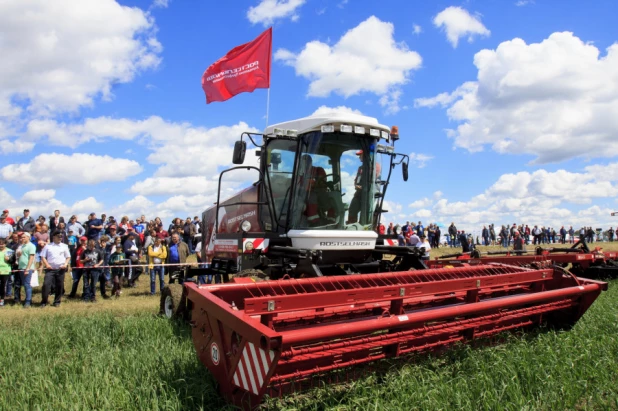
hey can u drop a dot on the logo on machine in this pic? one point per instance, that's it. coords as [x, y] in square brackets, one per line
[346, 243]
[214, 353]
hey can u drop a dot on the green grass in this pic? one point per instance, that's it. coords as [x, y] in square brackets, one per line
[119, 355]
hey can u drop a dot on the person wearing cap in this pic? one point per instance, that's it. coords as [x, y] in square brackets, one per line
[463, 240]
[77, 270]
[76, 227]
[26, 223]
[56, 258]
[9, 219]
[6, 229]
[25, 264]
[93, 227]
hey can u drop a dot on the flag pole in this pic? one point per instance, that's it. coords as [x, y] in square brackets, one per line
[270, 64]
[267, 105]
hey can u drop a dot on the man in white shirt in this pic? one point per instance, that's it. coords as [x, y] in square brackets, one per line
[5, 228]
[55, 257]
[424, 244]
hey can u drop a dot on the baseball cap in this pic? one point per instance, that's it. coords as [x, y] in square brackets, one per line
[359, 152]
[83, 238]
[5, 211]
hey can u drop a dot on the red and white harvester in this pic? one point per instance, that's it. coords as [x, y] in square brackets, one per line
[311, 291]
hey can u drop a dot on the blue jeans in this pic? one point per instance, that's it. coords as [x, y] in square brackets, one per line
[91, 279]
[106, 271]
[76, 274]
[24, 279]
[9, 286]
[157, 269]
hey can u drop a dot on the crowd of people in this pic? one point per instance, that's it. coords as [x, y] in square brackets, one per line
[110, 254]
[100, 252]
[433, 236]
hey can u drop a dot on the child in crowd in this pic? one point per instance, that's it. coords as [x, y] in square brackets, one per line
[117, 258]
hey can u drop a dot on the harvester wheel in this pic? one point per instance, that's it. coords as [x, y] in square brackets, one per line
[173, 304]
[257, 275]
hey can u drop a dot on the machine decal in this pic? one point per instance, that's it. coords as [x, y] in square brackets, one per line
[253, 368]
[226, 246]
[250, 244]
[391, 242]
[214, 353]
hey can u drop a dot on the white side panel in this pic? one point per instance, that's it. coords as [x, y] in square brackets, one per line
[333, 239]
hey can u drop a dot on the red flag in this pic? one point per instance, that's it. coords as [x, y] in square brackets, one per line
[244, 68]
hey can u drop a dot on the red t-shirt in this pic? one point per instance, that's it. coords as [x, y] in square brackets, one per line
[162, 234]
[78, 257]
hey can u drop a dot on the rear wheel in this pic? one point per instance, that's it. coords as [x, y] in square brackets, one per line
[173, 304]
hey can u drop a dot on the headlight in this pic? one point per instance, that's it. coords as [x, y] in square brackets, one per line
[245, 226]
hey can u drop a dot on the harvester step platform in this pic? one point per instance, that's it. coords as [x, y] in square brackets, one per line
[275, 337]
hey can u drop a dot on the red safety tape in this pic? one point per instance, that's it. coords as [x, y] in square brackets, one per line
[122, 266]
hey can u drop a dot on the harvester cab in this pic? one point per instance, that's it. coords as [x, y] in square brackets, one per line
[315, 209]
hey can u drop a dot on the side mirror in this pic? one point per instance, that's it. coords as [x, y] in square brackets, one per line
[240, 148]
[404, 171]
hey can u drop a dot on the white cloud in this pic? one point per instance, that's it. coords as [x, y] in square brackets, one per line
[416, 29]
[35, 196]
[17, 146]
[178, 148]
[390, 101]
[520, 3]
[458, 23]
[267, 11]
[163, 4]
[540, 197]
[175, 185]
[420, 160]
[325, 110]
[365, 59]
[60, 55]
[56, 170]
[555, 100]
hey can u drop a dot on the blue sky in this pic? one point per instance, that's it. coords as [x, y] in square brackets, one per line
[511, 107]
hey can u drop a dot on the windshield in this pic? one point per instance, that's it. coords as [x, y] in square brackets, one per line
[332, 184]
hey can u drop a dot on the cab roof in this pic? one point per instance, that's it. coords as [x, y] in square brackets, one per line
[314, 122]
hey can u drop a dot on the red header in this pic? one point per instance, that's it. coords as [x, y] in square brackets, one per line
[244, 68]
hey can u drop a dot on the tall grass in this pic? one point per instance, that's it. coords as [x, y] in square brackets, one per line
[102, 362]
[118, 355]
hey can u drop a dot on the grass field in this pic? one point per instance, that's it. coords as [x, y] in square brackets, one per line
[118, 354]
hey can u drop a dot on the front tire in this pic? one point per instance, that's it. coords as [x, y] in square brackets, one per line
[173, 304]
